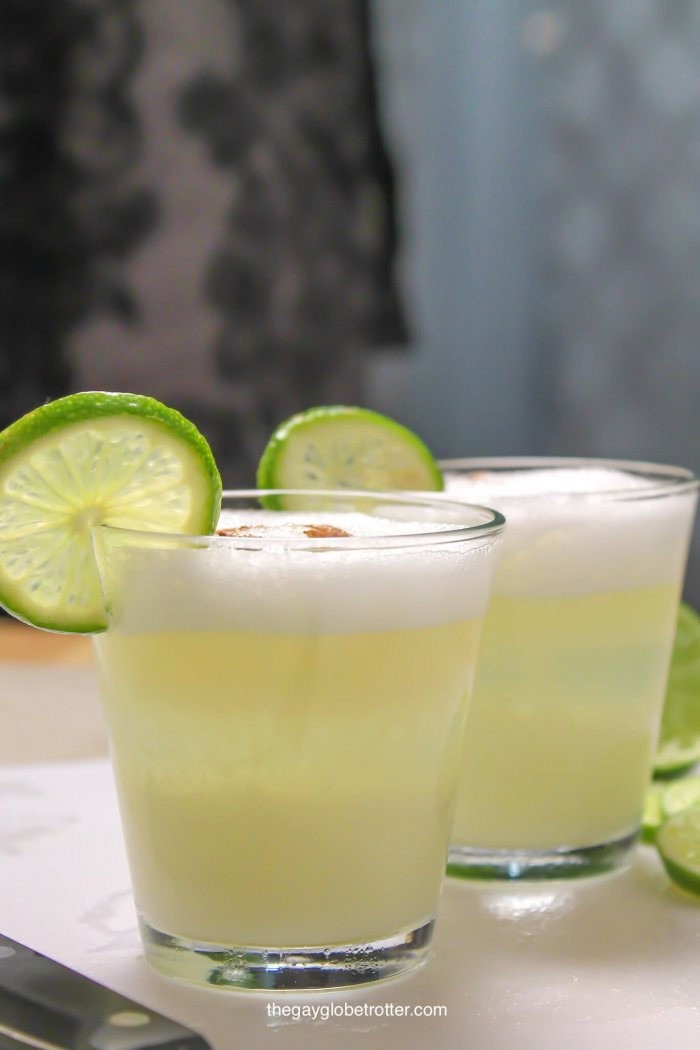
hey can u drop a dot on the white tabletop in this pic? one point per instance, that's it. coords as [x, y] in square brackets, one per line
[611, 962]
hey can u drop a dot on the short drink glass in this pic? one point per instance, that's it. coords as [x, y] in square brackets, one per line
[285, 706]
[569, 693]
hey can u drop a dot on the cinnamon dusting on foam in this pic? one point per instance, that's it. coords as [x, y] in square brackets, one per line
[312, 531]
[324, 531]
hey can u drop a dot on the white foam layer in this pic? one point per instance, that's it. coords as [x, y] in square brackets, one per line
[560, 482]
[230, 586]
[569, 533]
[273, 524]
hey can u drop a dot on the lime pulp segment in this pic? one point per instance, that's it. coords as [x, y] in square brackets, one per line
[84, 460]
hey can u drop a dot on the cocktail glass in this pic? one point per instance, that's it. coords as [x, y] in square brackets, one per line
[285, 709]
[568, 698]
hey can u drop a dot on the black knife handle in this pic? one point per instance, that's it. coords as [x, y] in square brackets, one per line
[44, 1001]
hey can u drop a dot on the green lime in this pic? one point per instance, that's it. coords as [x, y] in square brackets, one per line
[678, 842]
[652, 816]
[88, 459]
[679, 795]
[679, 743]
[673, 757]
[340, 447]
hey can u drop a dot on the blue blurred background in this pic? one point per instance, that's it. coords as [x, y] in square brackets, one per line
[551, 207]
[551, 201]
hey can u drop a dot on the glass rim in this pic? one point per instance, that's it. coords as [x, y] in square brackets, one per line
[457, 532]
[670, 480]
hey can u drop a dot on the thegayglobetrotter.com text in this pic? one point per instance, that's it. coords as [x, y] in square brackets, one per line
[327, 1011]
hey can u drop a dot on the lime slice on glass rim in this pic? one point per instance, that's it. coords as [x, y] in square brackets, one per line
[679, 743]
[678, 842]
[342, 447]
[83, 460]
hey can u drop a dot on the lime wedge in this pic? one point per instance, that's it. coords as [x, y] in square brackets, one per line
[680, 795]
[678, 842]
[652, 816]
[88, 459]
[666, 800]
[679, 744]
[674, 757]
[340, 447]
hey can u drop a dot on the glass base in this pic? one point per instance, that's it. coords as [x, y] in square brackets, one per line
[284, 969]
[566, 863]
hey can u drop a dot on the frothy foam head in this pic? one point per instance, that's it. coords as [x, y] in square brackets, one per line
[574, 530]
[282, 581]
[317, 525]
[557, 482]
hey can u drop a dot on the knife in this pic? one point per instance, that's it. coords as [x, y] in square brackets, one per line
[47, 1006]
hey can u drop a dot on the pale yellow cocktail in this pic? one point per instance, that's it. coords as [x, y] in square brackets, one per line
[286, 718]
[302, 799]
[575, 652]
